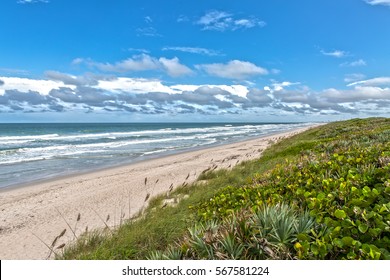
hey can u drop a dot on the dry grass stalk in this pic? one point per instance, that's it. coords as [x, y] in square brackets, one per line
[54, 242]
[74, 233]
[62, 233]
[207, 169]
[50, 248]
[77, 220]
[104, 222]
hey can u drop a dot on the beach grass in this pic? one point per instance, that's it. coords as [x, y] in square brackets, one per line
[328, 186]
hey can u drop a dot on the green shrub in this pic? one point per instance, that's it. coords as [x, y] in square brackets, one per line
[344, 183]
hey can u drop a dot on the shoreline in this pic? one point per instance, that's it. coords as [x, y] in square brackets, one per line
[10, 188]
[40, 211]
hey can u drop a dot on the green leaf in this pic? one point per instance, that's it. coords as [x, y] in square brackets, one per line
[375, 232]
[351, 256]
[375, 253]
[303, 237]
[340, 214]
[363, 228]
[314, 249]
[347, 240]
[321, 196]
[338, 242]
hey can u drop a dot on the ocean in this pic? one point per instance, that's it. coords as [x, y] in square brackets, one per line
[33, 152]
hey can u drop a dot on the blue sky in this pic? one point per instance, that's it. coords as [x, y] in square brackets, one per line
[220, 60]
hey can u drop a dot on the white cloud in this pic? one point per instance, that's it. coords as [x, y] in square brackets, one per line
[281, 86]
[174, 68]
[195, 50]
[356, 63]
[349, 78]
[182, 18]
[61, 92]
[26, 85]
[336, 53]
[138, 50]
[222, 21]
[234, 69]
[78, 61]
[148, 32]
[215, 20]
[378, 2]
[134, 85]
[138, 63]
[148, 19]
[141, 62]
[358, 94]
[32, 1]
[379, 81]
[12, 71]
[248, 23]
[238, 90]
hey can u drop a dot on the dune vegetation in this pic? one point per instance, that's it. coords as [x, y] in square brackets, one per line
[321, 194]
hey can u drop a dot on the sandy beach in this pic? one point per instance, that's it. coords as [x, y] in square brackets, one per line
[31, 216]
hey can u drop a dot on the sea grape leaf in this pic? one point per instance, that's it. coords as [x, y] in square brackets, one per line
[347, 240]
[363, 228]
[340, 214]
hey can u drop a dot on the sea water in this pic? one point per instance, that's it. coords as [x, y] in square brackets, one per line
[32, 152]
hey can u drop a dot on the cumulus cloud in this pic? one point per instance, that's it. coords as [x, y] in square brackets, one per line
[30, 101]
[258, 98]
[202, 51]
[138, 63]
[69, 93]
[234, 69]
[26, 85]
[134, 85]
[378, 2]
[142, 62]
[174, 68]
[276, 86]
[68, 79]
[223, 21]
[359, 93]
